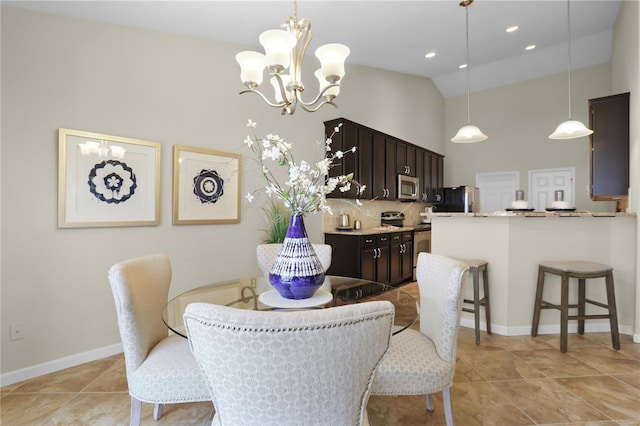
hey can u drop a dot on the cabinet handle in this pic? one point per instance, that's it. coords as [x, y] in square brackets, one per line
[379, 253]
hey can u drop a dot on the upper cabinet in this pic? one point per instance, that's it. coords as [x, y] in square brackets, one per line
[379, 160]
[609, 120]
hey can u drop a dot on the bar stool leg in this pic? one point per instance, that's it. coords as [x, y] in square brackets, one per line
[538, 303]
[476, 302]
[613, 312]
[564, 312]
[487, 310]
[581, 305]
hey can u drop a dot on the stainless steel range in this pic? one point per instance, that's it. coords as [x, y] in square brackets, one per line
[421, 242]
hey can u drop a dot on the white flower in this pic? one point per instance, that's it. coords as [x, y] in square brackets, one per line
[308, 183]
[249, 195]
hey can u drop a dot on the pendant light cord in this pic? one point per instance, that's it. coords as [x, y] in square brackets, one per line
[466, 9]
[569, 43]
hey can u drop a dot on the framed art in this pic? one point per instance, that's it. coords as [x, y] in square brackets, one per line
[206, 186]
[107, 181]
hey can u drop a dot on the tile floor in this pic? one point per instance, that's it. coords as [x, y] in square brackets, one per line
[516, 380]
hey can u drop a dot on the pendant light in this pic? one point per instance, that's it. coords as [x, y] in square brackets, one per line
[570, 129]
[468, 133]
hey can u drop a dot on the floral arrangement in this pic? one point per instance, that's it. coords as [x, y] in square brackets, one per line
[308, 184]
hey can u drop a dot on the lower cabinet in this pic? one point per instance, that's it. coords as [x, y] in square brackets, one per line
[401, 258]
[384, 258]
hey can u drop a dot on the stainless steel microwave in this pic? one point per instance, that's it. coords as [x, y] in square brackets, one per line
[408, 188]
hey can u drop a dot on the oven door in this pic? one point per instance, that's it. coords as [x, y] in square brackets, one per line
[421, 243]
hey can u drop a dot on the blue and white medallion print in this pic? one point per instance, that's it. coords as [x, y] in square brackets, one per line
[112, 181]
[208, 186]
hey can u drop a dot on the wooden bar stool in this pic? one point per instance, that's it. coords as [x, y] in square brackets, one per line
[582, 270]
[475, 267]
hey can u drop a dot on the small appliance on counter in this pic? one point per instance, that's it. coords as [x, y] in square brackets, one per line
[392, 218]
[343, 223]
[460, 199]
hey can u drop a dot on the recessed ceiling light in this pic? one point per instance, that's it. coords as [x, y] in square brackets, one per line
[530, 47]
[430, 55]
[512, 28]
[463, 66]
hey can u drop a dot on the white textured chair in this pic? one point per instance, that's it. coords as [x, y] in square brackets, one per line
[266, 254]
[422, 363]
[312, 367]
[160, 368]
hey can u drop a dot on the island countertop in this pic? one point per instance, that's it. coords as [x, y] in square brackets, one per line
[538, 213]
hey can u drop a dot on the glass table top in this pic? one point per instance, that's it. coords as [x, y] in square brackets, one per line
[244, 293]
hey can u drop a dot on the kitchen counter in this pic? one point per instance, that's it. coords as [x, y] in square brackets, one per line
[514, 245]
[372, 231]
[556, 213]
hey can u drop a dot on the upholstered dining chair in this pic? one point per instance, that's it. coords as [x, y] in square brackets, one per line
[312, 367]
[423, 362]
[160, 368]
[266, 254]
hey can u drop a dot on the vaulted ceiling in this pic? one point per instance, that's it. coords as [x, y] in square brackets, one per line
[392, 35]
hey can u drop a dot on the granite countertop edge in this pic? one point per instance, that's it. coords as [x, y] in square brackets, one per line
[558, 213]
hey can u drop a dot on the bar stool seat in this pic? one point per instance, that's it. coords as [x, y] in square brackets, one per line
[582, 270]
[475, 267]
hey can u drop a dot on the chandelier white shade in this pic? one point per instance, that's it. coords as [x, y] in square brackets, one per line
[283, 54]
[570, 129]
[468, 133]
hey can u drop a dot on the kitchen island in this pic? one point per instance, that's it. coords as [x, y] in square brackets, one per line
[514, 244]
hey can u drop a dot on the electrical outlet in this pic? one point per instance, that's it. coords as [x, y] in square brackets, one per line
[17, 331]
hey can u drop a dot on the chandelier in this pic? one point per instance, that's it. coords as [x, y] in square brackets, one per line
[570, 129]
[284, 51]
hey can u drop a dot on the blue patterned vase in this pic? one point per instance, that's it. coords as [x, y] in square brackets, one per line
[297, 272]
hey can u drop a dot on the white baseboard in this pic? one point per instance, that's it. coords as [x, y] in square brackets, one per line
[58, 364]
[524, 330]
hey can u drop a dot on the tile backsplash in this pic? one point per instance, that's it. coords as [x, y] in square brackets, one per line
[369, 212]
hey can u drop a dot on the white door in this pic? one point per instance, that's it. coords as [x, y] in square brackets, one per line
[497, 190]
[543, 184]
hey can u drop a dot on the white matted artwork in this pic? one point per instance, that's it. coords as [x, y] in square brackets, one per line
[107, 181]
[206, 186]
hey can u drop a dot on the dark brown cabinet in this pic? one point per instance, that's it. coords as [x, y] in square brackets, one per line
[405, 159]
[379, 159]
[401, 257]
[609, 120]
[385, 258]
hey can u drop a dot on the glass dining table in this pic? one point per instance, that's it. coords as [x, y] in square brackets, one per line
[249, 292]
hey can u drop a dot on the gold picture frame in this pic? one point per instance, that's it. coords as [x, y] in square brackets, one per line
[107, 181]
[206, 186]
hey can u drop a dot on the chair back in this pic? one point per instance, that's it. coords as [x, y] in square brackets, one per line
[441, 280]
[140, 289]
[312, 367]
[266, 254]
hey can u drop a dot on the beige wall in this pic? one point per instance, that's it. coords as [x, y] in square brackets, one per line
[625, 66]
[60, 72]
[518, 120]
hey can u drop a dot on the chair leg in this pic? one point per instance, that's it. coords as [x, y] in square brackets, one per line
[136, 412]
[537, 303]
[157, 411]
[446, 401]
[476, 302]
[581, 304]
[429, 398]
[487, 309]
[564, 312]
[613, 312]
